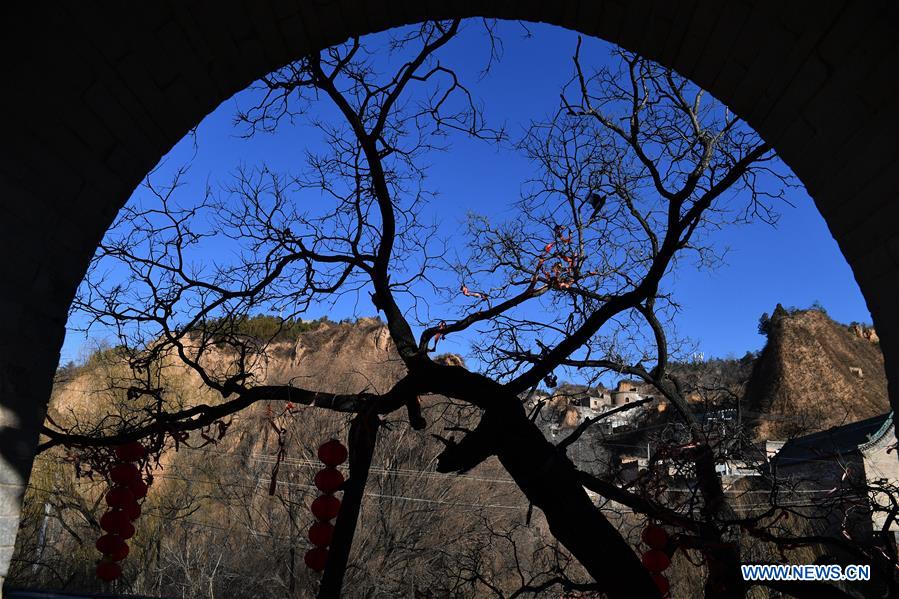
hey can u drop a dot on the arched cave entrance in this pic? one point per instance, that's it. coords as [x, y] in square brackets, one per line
[96, 93]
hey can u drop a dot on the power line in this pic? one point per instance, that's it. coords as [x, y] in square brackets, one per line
[419, 473]
[310, 487]
[415, 499]
[385, 471]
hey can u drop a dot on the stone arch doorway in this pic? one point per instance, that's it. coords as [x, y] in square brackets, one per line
[96, 94]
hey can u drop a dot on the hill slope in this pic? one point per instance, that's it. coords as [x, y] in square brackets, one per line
[214, 524]
[813, 374]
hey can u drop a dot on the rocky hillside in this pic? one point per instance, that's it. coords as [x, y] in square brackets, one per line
[339, 358]
[215, 525]
[813, 374]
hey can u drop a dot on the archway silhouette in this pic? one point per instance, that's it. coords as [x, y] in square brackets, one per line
[95, 94]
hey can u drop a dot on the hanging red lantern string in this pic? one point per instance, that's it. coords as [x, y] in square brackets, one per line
[332, 453]
[139, 488]
[131, 452]
[321, 533]
[122, 498]
[108, 571]
[124, 473]
[110, 544]
[662, 583]
[325, 507]
[328, 480]
[316, 558]
[655, 536]
[119, 497]
[656, 560]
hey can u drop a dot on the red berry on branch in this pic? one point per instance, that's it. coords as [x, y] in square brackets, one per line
[655, 536]
[316, 558]
[328, 480]
[119, 497]
[656, 560]
[108, 571]
[109, 543]
[332, 453]
[321, 533]
[325, 507]
[124, 474]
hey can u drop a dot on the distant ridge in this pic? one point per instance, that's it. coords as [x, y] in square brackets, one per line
[814, 373]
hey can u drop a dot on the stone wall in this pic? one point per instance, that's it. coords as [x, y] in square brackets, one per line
[881, 465]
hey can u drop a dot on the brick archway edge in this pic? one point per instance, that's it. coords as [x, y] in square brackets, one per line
[96, 92]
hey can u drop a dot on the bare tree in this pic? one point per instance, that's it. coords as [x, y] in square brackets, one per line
[632, 175]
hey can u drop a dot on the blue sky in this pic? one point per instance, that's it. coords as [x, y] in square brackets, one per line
[795, 263]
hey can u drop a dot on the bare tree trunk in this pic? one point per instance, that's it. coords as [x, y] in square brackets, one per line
[725, 580]
[549, 481]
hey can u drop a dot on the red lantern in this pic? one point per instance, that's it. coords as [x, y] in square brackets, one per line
[122, 499]
[130, 452]
[325, 507]
[328, 480]
[114, 520]
[119, 497]
[316, 558]
[138, 488]
[656, 560]
[132, 510]
[332, 453]
[108, 571]
[126, 531]
[121, 554]
[321, 533]
[124, 474]
[109, 544]
[655, 536]
[661, 583]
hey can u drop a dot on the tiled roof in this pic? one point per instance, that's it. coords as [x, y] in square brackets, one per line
[835, 441]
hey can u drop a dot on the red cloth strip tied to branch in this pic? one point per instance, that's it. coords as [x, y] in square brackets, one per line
[326, 506]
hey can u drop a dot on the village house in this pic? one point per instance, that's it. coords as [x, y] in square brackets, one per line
[850, 469]
[625, 392]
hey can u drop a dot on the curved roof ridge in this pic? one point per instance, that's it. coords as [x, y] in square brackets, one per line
[877, 435]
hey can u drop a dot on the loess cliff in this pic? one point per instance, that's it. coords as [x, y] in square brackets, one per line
[813, 374]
